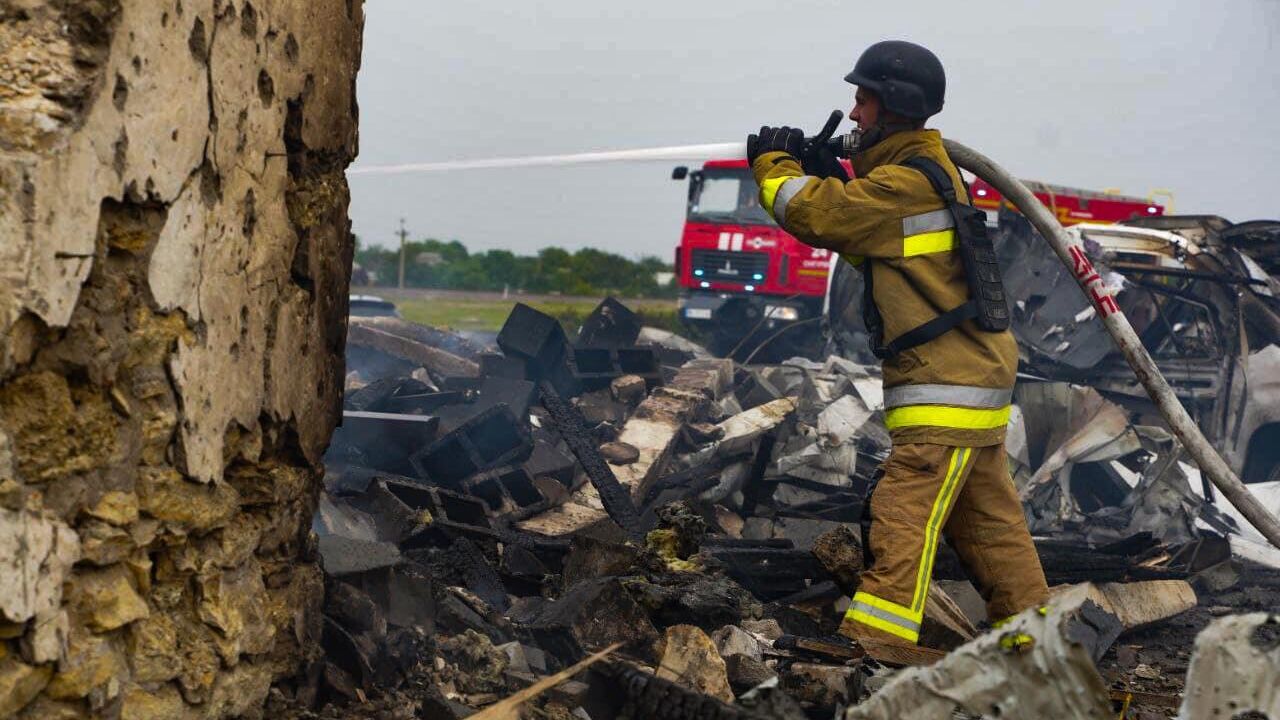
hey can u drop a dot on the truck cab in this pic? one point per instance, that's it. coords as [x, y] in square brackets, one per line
[741, 276]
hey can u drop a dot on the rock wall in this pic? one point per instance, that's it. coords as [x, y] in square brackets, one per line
[174, 260]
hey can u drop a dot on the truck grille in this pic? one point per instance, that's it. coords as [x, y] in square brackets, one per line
[730, 266]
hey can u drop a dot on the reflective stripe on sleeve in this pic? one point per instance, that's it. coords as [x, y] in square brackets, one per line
[931, 221]
[769, 192]
[785, 193]
[945, 416]
[927, 243]
[962, 395]
[927, 233]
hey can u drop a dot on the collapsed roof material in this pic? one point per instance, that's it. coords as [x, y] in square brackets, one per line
[717, 526]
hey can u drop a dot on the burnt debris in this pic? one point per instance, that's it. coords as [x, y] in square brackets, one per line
[494, 515]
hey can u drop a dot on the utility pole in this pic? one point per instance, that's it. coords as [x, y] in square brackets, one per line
[403, 234]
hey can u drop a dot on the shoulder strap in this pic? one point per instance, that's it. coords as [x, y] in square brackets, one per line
[937, 177]
[927, 331]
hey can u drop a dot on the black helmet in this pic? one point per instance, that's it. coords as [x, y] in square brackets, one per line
[907, 78]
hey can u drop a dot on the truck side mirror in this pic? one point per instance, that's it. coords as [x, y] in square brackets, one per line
[679, 172]
[695, 185]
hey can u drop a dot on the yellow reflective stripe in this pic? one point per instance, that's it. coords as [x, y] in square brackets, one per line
[955, 470]
[930, 242]
[769, 192]
[888, 606]
[884, 625]
[854, 260]
[946, 416]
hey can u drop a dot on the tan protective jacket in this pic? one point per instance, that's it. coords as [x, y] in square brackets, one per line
[954, 390]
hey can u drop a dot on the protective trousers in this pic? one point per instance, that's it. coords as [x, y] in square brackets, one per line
[965, 493]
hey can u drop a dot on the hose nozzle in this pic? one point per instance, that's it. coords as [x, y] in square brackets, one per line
[842, 146]
[845, 146]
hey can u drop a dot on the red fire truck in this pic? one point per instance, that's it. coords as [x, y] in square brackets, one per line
[741, 274]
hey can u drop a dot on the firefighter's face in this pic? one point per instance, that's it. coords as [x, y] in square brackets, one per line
[866, 109]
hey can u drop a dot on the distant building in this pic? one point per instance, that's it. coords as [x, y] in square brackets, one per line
[430, 259]
[663, 277]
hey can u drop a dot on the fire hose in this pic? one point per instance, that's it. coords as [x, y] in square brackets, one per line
[1069, 251]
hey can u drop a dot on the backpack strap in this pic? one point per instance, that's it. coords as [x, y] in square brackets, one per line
[937, 177]
[925, 332]
[943, 323]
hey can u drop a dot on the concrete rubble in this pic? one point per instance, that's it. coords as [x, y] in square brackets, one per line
[705, 516]
[183, 533]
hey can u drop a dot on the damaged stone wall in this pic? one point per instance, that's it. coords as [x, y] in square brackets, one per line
[174, 261]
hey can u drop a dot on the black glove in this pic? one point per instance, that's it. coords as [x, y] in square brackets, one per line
[819, 161]
[817, 158]
[785, 139]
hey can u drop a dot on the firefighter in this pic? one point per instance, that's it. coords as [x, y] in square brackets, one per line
[949, 360]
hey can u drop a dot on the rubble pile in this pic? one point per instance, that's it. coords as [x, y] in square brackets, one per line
[493, 516]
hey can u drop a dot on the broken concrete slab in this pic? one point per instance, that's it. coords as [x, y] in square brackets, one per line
[658, 337]
[629, 389]
[733, 640]
[813, 458]
[755, 390]
[1235, 669]
[744, 428]
[690, 658]
[1135, 604]
[345, 556]
[441, 339]
[1035, 666]
[966, 597]
[709, 376]
[492, 438]
[838, 423]
[610, 325]
[533, 336]
[386, 440]
[745, 672]
[368, 333]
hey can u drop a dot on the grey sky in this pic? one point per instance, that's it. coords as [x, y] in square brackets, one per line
[1089, 93]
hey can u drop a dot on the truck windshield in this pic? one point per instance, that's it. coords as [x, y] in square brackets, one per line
[727, 196]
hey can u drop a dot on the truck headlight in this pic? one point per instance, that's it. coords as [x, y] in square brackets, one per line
[781, 312]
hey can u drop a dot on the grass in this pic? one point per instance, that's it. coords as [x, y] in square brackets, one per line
[489, 314]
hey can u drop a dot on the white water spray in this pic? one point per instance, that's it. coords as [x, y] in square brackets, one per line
[664, 154]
